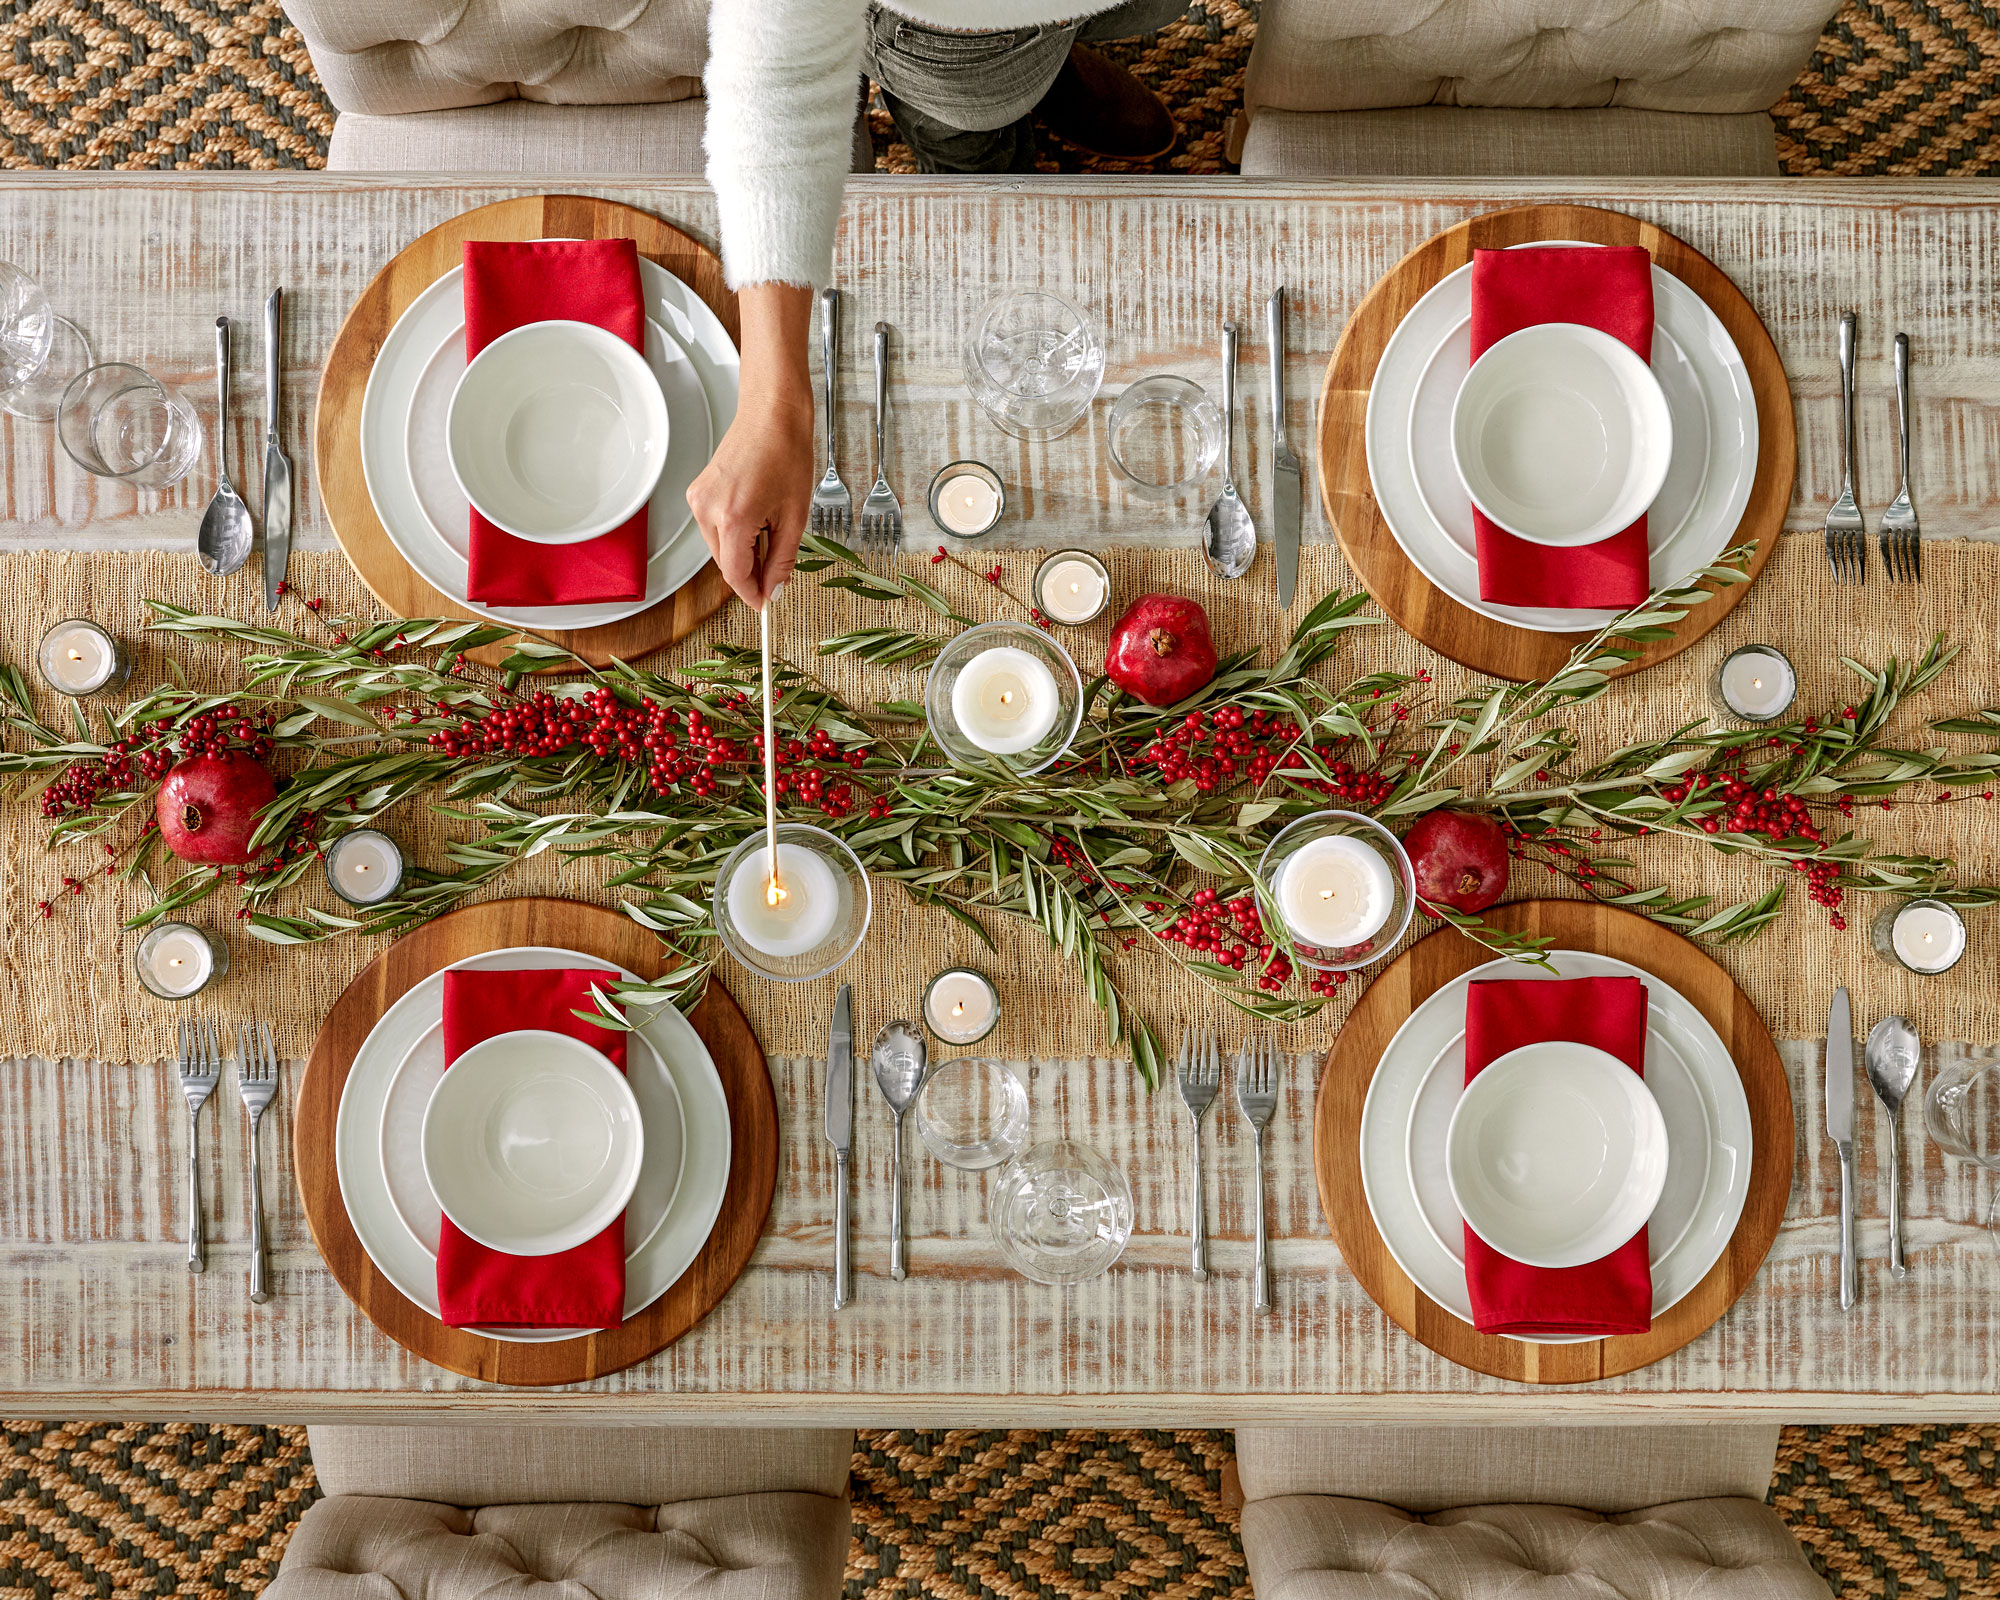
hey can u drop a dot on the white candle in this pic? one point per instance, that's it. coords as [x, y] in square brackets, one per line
[960, 1006]
[175, 960]
[364, 867]
[967, 504]
[1005, 700]
[1758, 684]
[793, 915]
[1927, 937]
[78, 658]
[1072, 591]
[1335, 892]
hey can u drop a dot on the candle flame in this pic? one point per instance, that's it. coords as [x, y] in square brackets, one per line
[1756, 683]
[958, 1010]
[173, 961]
[1006, 697]
[773, 891]
[1326, 894]
[75, 654]
[1928, 937]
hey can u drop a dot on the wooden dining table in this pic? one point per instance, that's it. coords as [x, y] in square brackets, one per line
[99, 1316]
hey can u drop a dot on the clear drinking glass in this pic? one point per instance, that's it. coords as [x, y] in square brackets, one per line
[1061, 1213]
[40, 352]
[121, 422]
[1165, 434]
[972, 1113]
[1033, 362]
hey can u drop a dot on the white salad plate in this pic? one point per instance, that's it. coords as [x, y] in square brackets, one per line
[437, 550]
[1417, 1084]
[1415, 479]
[651, 1268]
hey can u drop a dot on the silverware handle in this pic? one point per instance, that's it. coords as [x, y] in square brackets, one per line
[1274, 329]
[829, 354]
[1199, 1198]
[273, 326]
[842, 1290]
[1903, 401]
[1229, 402]
[197, 1237]
[881, 389]
[222, 395]
[1897, 1267]
[898, 1269]
[260, 1283]
[1847, 1272]
[1847, 325]
[1261, 1299]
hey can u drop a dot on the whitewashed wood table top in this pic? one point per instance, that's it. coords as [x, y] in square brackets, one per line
[98, 1314]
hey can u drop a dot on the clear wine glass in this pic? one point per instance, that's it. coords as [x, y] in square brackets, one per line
[40, 352]
[1061, 1213]
[1033, 361]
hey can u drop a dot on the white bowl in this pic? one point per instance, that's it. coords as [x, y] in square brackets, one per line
[532, 1142]
[557, 432]
[1556, 1154]
[1561, 434]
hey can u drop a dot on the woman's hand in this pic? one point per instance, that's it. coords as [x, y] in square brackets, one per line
[759, 483]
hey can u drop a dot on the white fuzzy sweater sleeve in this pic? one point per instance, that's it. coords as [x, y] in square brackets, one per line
[781, 81]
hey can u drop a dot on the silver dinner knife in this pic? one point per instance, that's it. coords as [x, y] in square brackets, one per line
[1284, 464]
[277, 466]
[1840, 1127]
[840, 1127]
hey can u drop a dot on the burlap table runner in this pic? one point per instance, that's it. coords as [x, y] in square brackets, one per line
[66, 982]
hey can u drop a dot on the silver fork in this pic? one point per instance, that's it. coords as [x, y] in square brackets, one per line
[1257, 1099]
[256, 1082]
[833, 506]
[1846, 533]
[1199, 1073]
[200, 1062]
[1902, 547]
[881, 512]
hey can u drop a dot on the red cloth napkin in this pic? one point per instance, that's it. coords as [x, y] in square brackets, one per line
[1601, 1298]
[1608, 288]
[565, 280]
[579, 1288]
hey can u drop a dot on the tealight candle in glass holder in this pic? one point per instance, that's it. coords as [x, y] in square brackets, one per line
[176, 960]
[1072, 587]
[1923, 936]
[1755, 684]
[364, 867]
[961, 1006]
[967, 499]
[79, 658]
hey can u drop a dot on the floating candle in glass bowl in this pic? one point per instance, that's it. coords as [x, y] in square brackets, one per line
[1072, 587]
[967, 499]
[1006, 690]
[1343, 887]
[1005, 700]
[364, 867]
[176, 960]
[1923, 936]
[78, 658]
[803, 920]
[1755, 684]
[961, 1006]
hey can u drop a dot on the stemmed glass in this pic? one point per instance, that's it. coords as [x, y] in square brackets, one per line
[1061, 1213]
[1033, 362]
[32, 373]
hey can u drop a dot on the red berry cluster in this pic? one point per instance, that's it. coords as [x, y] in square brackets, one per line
[147, 757]
[1231, 933]
[1747, 808]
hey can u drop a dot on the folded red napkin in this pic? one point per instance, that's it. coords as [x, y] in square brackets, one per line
[562, 280]
[1611, 289]
[579, 1288]
[1611, 1296]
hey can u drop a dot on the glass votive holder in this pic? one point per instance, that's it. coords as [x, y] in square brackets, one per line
[819, 917]
[1164, 433]
[967, 499]
[1060, 1213]
[1756, 684]
[1923, 936]
[1005, 692]
[961, 1006]
[364, 867]
[1343, 885]
[1033, 361]
[1072, 587]
[119, 421]
[76, 657]
[972, 1113]
[177, 960]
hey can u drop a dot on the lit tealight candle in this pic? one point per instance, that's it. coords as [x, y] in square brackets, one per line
[176, 960]
[967, 499]
[79, 658]
[1335, 892]
[1926, 936]
[1005, 700]
[1757, 684]
[1072, 587]
[961, 1006]
[364, 867]
[791, 914]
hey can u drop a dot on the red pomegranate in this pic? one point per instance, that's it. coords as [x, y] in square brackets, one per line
[208, 807]
[1160, 650]
[1460, 859]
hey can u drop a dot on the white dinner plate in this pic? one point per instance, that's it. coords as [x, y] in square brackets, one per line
[395, 1249]
[386, 404]
[1416, 1086]
[1429, 513]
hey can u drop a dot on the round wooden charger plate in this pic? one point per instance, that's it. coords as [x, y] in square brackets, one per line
[343, 488]
[753, 1159]
[1420, 972]
[1420, 608]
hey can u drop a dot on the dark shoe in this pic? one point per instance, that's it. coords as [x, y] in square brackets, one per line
[1103, 110]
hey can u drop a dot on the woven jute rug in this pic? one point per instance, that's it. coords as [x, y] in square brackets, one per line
[140, 1508]
[1895, 86]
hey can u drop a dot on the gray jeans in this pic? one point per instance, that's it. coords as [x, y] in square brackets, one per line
[962, 100]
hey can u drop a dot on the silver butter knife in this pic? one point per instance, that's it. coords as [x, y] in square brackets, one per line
[840, 1127]
[1840, 1127]
[277, 465]
[1284, 464]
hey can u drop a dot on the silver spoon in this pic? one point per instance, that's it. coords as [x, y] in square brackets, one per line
[899, 1057]
[1892, 1055]
[1231, 540]
[226, 536]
